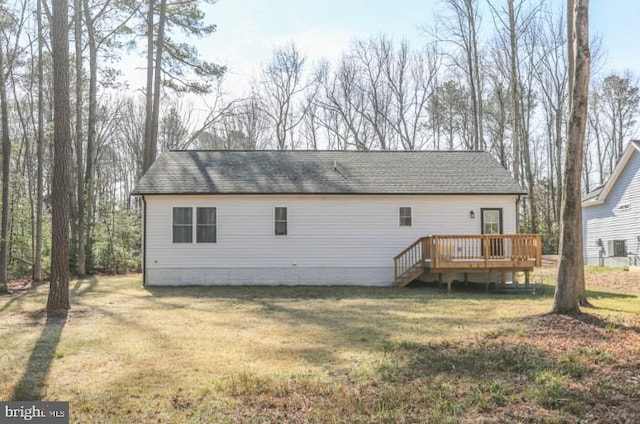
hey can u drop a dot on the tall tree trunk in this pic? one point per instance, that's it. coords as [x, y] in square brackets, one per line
[154, 79]
[571, 268]
[531, 182]
[6, 161]
[480, 144]
[157, 78]
[37, 261]
[58, 299]
[149, 150]
[79, 247]
[515, 101]
[91, 138]
[558, 158]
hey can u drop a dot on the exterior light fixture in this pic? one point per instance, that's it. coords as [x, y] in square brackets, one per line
[472, 214]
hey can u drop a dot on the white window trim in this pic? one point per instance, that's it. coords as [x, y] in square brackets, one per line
[194, 226]
[273, 220]
[173, 226]
[410, 216]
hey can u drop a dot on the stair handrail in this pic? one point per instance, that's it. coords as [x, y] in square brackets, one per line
[411, 256]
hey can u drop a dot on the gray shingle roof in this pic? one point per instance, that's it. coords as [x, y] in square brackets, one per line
[313, 172]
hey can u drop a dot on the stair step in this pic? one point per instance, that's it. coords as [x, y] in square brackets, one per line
[409, 275]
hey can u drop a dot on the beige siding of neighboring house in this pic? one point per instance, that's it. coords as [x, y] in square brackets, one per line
[333, 239]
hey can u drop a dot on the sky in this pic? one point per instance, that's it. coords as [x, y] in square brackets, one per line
[249, 30]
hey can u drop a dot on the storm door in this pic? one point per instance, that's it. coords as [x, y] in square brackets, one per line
[492, 224]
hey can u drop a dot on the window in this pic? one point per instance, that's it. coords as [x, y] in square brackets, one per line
[491, 221]
[206, 225]
[405, 217]
[281, 221]
[182, 225]
[618, 248]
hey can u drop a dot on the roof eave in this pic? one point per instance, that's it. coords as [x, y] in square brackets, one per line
[294, 193]
[592, 202]
[622, 163]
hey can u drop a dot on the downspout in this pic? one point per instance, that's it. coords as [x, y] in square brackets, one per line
[518, 213]
[144, 241]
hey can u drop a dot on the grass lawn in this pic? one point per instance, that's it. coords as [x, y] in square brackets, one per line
[131, 354]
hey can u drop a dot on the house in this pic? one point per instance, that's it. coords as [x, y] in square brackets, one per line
[611, 215]
[323, 217]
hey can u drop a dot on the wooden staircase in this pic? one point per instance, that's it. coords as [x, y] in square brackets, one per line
[409, 275]
[409, 264]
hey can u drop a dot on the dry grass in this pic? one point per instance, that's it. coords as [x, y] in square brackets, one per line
[320, 354]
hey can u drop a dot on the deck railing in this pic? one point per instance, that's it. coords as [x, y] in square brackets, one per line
[470, 251]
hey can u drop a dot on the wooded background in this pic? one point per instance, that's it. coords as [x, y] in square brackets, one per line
[491, 75]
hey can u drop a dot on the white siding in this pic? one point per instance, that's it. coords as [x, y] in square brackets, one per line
[353, 236]
[618, 218]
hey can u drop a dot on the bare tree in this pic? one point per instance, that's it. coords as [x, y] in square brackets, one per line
[411, 78]
[570, 291]
[461, 28]
[281, 91]
[553, 88]
[341, 101]
[371, 57]
[496, 109]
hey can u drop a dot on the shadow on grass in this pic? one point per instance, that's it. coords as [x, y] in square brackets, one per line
[83, 286]
[599, 322]
[32, 383]
[609, 295]
[420, 292]
[79, 289]
[14, 297]
[288, 292]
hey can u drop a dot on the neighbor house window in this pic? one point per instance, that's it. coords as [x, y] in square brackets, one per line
[182, 225]
[281, 221]
[618, 248]
[206, 225]
[405, 217]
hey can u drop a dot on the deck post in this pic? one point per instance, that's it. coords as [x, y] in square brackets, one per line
[435, 263]
[487, 245]
[486, 280]
[395, 270]
[425, 249]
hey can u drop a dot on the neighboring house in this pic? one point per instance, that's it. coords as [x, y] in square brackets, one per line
[611, 215]
[311, 217]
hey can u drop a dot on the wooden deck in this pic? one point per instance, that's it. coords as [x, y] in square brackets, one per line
[448, 254]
